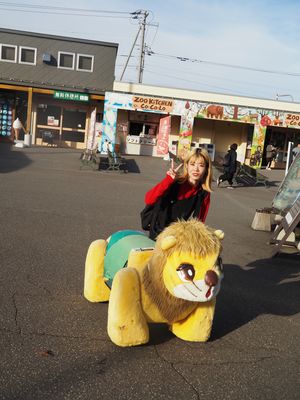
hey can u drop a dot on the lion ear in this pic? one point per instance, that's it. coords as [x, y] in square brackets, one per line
[168, 242]
[219, 233]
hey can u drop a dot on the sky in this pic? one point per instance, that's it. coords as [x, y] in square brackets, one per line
[244, 48]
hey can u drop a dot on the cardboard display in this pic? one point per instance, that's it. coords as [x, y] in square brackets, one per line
[286, 227]
[289, 190]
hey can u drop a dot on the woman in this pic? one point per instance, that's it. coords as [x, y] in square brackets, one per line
[181, 195]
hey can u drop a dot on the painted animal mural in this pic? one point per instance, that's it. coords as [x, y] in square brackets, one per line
[214, 111]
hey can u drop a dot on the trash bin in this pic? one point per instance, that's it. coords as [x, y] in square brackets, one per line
[27, 140]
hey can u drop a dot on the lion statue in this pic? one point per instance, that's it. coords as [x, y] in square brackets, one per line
[174, 280]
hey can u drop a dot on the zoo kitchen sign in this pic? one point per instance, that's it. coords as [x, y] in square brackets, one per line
[152, 103]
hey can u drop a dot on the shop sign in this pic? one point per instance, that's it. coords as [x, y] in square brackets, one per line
[292, 120]
[71, 96]
[152, 103]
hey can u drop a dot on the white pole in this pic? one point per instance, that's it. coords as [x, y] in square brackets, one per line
[289, 158]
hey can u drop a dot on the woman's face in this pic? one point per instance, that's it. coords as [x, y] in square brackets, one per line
[196, 168]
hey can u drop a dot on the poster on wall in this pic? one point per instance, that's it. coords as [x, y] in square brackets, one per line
[163, 136]
[52, 121]
[257, 147]
[5, 119]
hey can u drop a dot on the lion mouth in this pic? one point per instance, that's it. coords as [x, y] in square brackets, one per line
[195, 291]
[190, 291]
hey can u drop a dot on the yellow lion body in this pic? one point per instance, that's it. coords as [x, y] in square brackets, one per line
[175, 283]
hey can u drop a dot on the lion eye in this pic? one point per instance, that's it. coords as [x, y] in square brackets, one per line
[186, 272]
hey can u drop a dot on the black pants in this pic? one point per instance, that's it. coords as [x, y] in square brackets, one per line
[227, 176]
[269, 162]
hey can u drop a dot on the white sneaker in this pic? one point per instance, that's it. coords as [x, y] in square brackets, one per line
[230, 187]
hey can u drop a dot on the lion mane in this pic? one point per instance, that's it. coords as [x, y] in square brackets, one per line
[191, 237]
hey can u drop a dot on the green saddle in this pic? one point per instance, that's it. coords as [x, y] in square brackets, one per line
[118, 249]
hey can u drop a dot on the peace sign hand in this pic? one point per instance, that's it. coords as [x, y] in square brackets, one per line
[173, 172]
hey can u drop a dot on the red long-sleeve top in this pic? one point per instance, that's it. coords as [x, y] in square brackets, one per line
[186, 190]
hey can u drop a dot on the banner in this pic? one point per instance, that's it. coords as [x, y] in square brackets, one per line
[91, 141]
[163, 135]
[186, 130]
[109, 127]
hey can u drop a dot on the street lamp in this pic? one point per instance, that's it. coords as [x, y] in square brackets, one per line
[284, 95]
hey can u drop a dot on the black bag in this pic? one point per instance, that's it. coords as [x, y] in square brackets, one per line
[154, 218]
[148, 214]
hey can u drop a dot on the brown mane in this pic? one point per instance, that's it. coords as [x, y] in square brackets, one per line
[193, 237]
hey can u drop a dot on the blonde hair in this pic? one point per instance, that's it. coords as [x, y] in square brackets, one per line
[198, 154]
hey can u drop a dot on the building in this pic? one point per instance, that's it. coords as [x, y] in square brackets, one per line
[151, 120]
[54, 84]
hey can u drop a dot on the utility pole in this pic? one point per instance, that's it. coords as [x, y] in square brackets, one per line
[128, 58]
[142, 55]
[141, 15]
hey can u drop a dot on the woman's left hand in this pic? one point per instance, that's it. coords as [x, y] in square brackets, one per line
[173, 172]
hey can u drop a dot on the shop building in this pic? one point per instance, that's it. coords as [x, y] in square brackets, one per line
[150, 120]
[55, 85]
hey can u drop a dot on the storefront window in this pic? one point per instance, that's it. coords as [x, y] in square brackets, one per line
[74, 119]
[48, 115]
[48, 136]
[137, 128]
[73, 136]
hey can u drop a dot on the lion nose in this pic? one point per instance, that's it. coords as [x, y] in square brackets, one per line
[211, 278]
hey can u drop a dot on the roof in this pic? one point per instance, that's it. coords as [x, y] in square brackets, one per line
[55, 37]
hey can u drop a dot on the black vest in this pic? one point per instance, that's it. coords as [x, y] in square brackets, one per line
[169, 209]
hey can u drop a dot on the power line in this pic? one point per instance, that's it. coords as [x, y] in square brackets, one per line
[61, 13]
[218, 78]
[150, 52]
[28, 5]
[188, 80]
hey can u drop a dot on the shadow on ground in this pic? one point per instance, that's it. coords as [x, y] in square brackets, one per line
[130, 166]
[11, 160]
[266, 286]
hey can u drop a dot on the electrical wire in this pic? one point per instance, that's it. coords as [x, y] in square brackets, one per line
[188, 80]
[24, 5]
[215, 77]
[194, 60]
[61, 13]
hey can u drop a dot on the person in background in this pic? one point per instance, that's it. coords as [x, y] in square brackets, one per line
[230, 165]
[296, 149]
[270, 155]
[185, 191]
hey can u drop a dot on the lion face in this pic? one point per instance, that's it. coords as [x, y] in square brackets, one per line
[192, 277]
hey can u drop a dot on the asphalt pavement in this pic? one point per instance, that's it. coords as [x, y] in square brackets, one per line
[54, 344]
